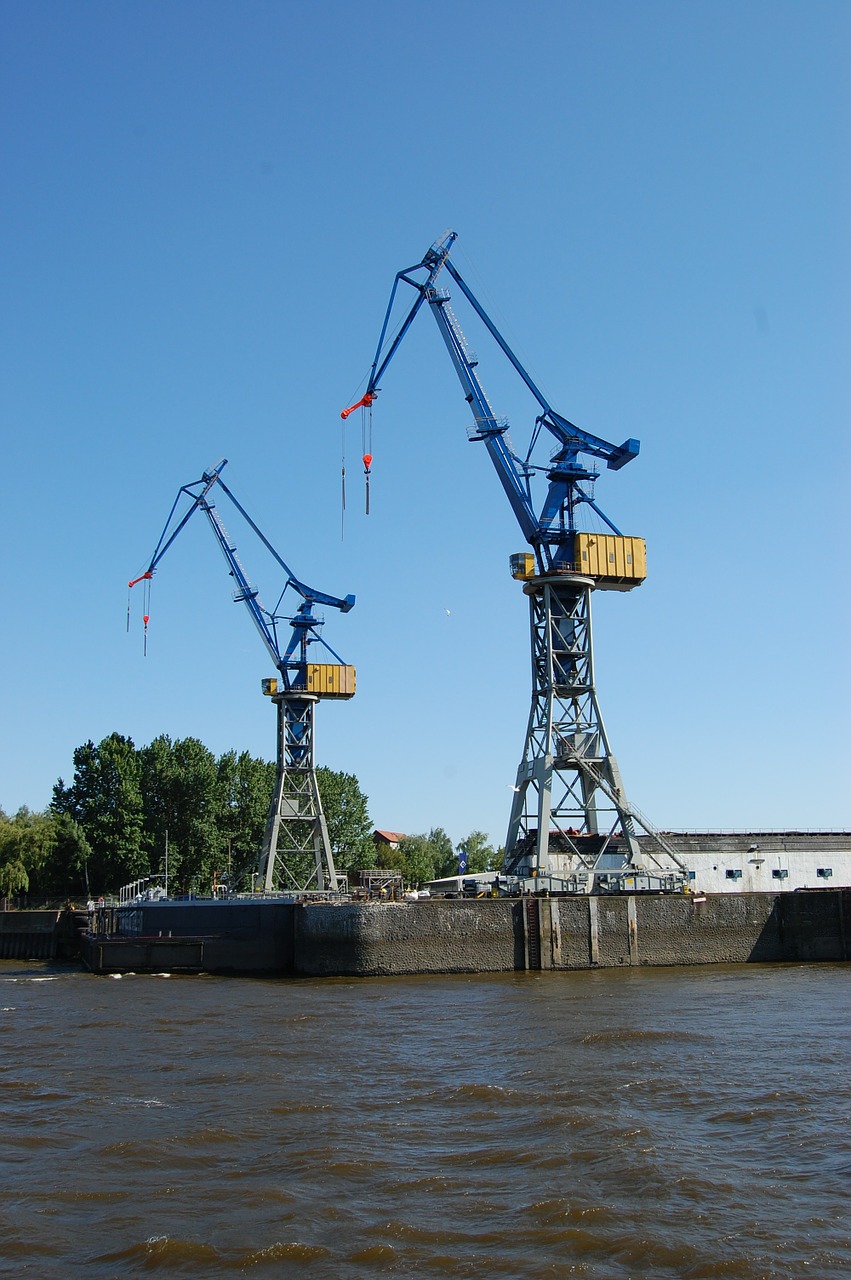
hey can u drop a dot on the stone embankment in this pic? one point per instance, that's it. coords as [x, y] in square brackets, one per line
[494, 935]
[41, 935]
[362, 939]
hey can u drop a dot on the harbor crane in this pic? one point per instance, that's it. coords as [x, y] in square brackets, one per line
[571, 827]
[296, 853]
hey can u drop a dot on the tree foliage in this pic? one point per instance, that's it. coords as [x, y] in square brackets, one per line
[347, 815]
[41, 853]
[63, 872]
[181, 808]
[14, 876]
[422, 857]
[127, 808]
[432, 856]
[244, 789]
[481, 855]
[105, 799]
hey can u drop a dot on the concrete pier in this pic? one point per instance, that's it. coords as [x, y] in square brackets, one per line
[493, 935]
[30, 935]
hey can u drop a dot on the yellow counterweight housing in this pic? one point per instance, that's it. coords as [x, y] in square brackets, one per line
[330, 680]
[617, 563]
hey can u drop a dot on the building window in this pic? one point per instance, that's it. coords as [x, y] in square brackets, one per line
[734, 874]
[780, 873]
[824, 872]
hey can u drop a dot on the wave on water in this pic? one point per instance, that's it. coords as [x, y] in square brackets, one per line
[478, 1092]
[24, 1091]
[163, 1251]
[24, 977]
[300, 1108]
[374, 1255]
[173, 1256]
[629, 1035]
[292, 1252]
[137, 1102]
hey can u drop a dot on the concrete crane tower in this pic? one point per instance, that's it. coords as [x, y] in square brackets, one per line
[571, 827]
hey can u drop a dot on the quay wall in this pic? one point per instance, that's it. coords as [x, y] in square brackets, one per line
[487, 935]
[29, 935]
[500, 935]
[443, 936]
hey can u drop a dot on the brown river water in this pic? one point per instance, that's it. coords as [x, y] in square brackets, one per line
[611, 1124]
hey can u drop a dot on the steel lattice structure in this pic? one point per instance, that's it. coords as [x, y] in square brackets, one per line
[296, 836]
[568, 783]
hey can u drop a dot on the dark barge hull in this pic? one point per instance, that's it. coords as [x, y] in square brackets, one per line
[192, 937]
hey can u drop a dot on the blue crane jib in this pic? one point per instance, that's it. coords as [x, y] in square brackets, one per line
[290, 658]
[550, 530]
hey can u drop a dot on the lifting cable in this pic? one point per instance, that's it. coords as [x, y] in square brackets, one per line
[343, 482]
[365, 405]
[366, 444]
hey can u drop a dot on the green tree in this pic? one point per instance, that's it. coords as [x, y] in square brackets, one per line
[444, 853]
[124, 807]
[62, 873]
[29, 839]
[244, 792]
[421, 857]
[159, 812]
[347, 815]
[179, 790]
[14, 877]
[481, 856]
[41, 853]
[105, 799]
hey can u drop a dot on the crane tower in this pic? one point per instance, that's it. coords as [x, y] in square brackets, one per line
[571, 827]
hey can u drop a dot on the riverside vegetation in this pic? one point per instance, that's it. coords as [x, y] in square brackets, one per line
[126, 805]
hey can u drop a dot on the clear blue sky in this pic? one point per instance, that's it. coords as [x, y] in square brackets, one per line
[205, 204]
